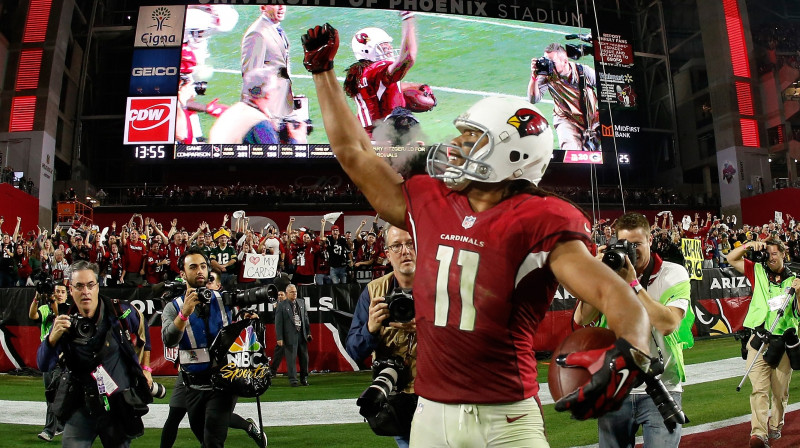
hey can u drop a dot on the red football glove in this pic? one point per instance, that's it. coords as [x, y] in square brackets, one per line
[615, 371]
[215, 109]
[320, 45]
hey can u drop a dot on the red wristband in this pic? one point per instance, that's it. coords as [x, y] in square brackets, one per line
[634, 283]
[181, 316]
[147, 369]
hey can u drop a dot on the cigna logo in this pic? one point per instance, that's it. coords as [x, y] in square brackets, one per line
[150, 120]
[160, 15]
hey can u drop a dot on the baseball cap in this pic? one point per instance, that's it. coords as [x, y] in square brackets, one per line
[371, 233]
[334, 227]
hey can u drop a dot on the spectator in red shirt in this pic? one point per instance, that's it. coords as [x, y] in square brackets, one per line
[155, 264]
[115, 266]
[304, 259]
[134, 250]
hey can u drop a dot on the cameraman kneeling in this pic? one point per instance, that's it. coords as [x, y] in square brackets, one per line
[104, 391]
[44, 309]
[393, 344]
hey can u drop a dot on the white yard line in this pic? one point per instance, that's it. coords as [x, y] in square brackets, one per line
[321, 412]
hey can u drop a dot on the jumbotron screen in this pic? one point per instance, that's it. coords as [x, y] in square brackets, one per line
[459, 60]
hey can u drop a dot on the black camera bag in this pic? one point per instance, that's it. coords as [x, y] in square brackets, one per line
[65, 394]
[775, 350]
[394, 418]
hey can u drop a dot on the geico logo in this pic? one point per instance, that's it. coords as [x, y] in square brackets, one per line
[142, 119]
[154, 71]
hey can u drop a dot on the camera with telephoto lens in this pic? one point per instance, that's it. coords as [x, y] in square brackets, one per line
[671, 412]
[252, 296]
[614, 255]
[168, 290]
[157, 390]
[45, 285]
[401, 306]
[200, 87]
[388, 376]
[545, 66]
[81, 329]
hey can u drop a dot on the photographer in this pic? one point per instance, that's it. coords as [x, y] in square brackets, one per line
[177, 401]
[771, 373]
[571, 85]
[104, 391]
[663, 288]
[191, 322]
[44, 309]
[370, 334]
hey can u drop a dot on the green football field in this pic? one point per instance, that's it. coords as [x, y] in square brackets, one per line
[462, 58]
[704, 403]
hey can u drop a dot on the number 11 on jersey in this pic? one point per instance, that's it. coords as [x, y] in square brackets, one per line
[468, 261]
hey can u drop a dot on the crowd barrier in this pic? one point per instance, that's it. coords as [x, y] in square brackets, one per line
[720, 302]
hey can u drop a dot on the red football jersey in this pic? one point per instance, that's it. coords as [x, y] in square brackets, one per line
[134, 253]
[482, 286]
[378, 94]
[174, 254]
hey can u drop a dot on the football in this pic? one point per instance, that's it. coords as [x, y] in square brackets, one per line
[564, 380]
[419, 97]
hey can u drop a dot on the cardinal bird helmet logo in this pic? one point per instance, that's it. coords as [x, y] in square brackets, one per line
[528, 122]
[362, 38]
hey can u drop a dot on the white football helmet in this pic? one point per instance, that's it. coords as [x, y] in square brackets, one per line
[516, 139]
[367, 42]
[198, 25]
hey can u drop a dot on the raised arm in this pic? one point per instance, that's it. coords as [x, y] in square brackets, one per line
[197, 232]
[408, 48]
[158, 231]
[350, 143]
[16, 230]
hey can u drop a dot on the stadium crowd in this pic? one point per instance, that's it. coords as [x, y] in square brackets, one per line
[142, 252]
[781, 45]
[719, 235]
[347, 193]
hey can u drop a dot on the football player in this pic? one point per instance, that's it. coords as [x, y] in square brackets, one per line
[492, 248]
[373, 81]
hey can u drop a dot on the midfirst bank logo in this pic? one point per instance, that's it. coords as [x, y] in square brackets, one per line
[150, 120]
[159, 26]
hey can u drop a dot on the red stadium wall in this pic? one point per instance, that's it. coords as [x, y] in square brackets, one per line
[760, 209]
[14, 202]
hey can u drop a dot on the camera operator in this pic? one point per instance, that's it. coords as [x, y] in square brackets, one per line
[663, 288]
[571, 85]
[370, 334]
[191, 323]
[103, 344]
[771, 373]
[177, 401]
[44, 309]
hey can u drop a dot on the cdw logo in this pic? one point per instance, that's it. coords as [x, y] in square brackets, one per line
[150, 120]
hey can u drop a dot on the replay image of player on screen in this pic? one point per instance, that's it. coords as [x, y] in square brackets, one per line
[423, 90]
